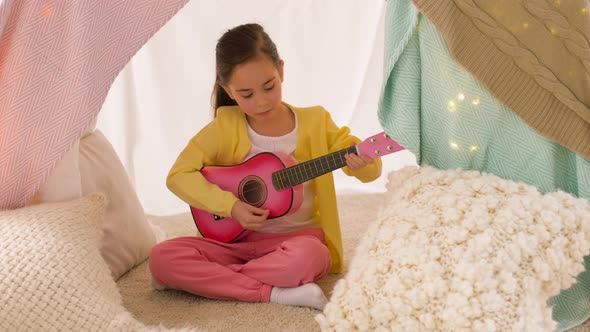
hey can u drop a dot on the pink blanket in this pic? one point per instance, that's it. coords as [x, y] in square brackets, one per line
[58, 59]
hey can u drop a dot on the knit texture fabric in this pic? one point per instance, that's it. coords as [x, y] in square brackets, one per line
[533, 55]
[441, 113]
[52, 276]
[457, 250]
[448, 119]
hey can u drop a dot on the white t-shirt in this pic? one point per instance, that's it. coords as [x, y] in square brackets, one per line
[304, 217]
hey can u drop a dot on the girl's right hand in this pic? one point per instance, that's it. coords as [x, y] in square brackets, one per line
[250, 217]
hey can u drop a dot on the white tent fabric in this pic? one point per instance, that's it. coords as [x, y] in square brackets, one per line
[333, 53]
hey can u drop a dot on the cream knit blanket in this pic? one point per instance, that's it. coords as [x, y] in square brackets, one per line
[461, 251]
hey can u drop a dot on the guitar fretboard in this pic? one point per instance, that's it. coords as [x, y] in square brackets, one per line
[308, 170]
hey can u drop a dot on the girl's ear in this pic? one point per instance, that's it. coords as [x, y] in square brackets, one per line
[281, 65]
[226, 89]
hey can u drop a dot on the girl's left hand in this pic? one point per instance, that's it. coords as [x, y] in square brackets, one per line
[355, 162]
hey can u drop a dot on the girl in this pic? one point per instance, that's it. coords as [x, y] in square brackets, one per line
[284, 256]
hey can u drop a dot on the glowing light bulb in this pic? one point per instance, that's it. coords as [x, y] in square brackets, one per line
[452, 106]
[584, 11]
[454, 145]
[553, 31]
[461, 96]
[473, 148]
[525, 25]
[475, 101]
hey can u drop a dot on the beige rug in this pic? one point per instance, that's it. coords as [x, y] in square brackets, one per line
[175, 309]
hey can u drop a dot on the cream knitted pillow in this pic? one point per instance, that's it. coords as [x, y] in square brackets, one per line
[461, 251]
[52, 276]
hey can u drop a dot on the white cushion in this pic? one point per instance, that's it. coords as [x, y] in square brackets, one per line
[63, 182]
[52, 276]
[459, 250]
[127, 235]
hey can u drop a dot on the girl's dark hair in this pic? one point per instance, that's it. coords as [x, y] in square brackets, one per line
[236, 46]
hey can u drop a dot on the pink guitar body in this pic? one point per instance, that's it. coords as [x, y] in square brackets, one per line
[251, 182]
[274, 183]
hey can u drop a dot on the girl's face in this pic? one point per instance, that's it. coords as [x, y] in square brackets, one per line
[256, 87]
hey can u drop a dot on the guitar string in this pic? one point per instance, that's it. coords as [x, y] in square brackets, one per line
[291, 170]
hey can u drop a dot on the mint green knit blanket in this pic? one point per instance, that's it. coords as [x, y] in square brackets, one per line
[440, 112]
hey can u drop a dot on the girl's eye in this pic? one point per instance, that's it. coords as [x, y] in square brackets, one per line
[270, 87]
[247, 96]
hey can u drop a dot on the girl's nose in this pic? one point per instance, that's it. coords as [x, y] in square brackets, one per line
[261, 103]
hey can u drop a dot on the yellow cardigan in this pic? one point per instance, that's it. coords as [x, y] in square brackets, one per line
[224, 141]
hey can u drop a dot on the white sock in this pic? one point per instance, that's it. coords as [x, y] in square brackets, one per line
[157, 286]
[308, 295]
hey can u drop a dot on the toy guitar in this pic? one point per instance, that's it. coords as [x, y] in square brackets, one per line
[265, 181]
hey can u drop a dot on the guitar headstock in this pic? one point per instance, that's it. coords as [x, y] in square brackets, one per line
[378, 145]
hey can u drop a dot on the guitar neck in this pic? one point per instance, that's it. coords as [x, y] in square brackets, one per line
[294, 175]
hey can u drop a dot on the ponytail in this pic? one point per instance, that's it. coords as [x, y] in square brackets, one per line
[220, 98]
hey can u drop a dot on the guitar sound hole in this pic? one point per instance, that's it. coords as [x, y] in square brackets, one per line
[253, 191]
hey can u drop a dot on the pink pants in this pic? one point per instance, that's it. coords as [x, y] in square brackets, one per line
[246, 270]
